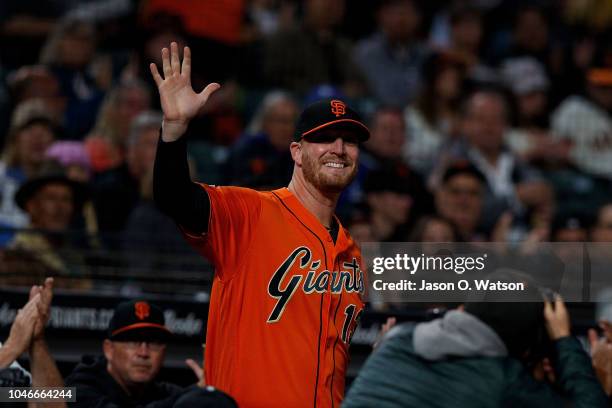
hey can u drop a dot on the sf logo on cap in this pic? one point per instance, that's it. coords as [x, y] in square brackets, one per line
[338, 108]
[142, 309]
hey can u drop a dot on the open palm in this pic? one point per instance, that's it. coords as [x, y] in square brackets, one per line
[178, 100]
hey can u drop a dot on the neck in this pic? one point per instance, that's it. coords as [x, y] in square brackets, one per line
[134, 389]
[319, 203]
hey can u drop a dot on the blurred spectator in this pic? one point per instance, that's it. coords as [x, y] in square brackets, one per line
[383, 149]
[601, 346]
[32, 131]
[209, 27]
[459, 199]
[481, 355]
[586, 122]
[106, 144]
[24, 26]
[433, 119]
[99, 10]
[360, 227]
[72, 156]
[270, 16]
[312, 53]
[570, 228]
[530, 139]
[152, 243]
[37, 82]
[387, 139]
[392, 58]
[261, 159]
[531, 35]
[465, 42]
[134, 352]
[74, 162]
[115, 192]
[68, 53]
[28, 333]
[396, 197]
[511, 184]
[51, 201]
[433, 228]
[602, 230]
[595, 14]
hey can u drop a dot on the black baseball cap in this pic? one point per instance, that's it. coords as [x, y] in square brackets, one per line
[28, 189]
[462, 167]
[138, 320]
[326, 114]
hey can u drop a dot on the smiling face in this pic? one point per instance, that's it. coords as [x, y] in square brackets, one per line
[330, 163]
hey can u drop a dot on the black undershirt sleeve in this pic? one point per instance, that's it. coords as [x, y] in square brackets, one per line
[174, 192]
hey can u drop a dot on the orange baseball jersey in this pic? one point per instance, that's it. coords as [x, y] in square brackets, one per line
[285, 300]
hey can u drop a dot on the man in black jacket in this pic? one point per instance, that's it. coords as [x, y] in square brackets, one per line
[134, 352]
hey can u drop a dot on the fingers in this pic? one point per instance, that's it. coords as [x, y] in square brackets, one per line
[175, 64]
[197, 370]
[166, 63]
[194, 366]
[186, 68]
[548, 311]
[47, 291]
[607, 330]
[593, 338]
[389, 324]
[205, 94]
[559, 305]
[30, 310]
[156, 77]
[33, 291]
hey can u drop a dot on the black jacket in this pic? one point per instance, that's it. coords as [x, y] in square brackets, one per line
[95, 388]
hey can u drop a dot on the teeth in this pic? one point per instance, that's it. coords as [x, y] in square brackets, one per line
[335, 165]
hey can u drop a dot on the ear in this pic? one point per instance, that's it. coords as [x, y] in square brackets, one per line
[107, 348]
[296, 152]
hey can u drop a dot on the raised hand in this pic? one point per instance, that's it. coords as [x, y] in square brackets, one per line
[22, 329]
[198, 371]
[180, 103]
[44, 306]
[556, 318]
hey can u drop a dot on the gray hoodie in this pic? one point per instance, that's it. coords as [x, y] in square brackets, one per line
[457, 334]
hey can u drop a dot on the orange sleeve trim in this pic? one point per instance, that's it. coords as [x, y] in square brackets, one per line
[333, 122]
[139, 326]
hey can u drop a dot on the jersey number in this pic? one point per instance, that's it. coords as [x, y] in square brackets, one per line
[349, 313]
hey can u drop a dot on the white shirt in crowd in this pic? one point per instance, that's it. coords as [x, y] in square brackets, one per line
[590, 128]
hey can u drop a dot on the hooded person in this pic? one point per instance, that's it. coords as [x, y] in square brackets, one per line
[480, 355]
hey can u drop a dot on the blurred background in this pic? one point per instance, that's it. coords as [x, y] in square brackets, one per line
[490, 120]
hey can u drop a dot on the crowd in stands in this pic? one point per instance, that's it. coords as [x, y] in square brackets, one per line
[490, 121]
[492, 118]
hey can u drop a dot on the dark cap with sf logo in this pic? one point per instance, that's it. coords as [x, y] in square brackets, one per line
[328, 114]
[138, 320]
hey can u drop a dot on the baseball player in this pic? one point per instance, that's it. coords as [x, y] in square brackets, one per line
[288, 285]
